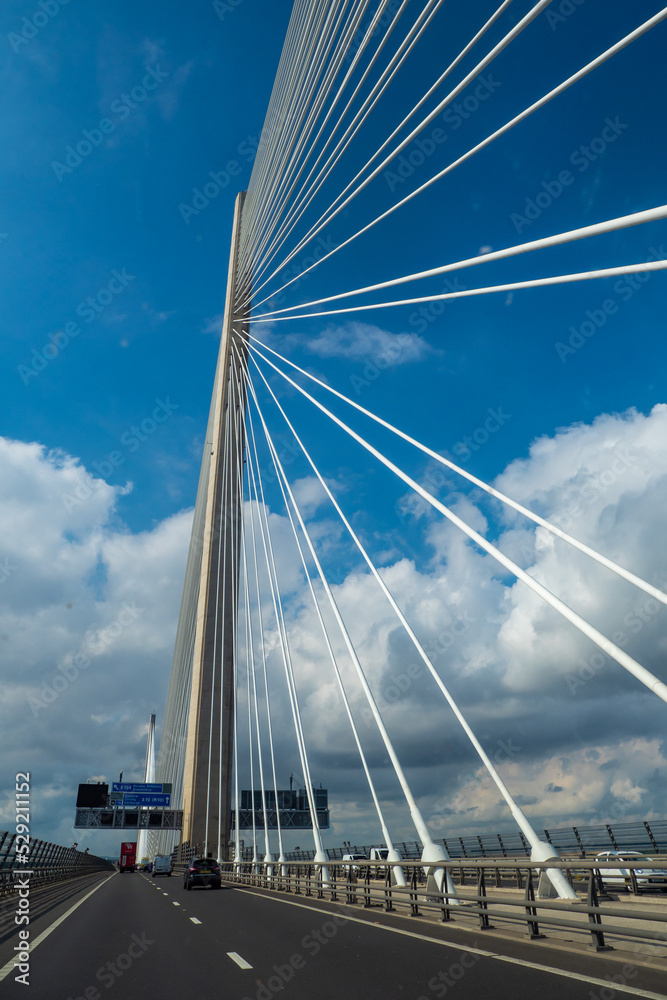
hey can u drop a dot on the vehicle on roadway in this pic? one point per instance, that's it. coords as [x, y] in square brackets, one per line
[646, 876]
[202, 871]
[128, 856]
[380, 854]
[162, 865]
[354, 857]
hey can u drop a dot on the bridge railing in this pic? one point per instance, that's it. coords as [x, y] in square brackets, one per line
[44, 862]
[580, 841]
[504, 890]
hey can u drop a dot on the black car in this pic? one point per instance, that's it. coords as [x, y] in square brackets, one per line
[202, 871]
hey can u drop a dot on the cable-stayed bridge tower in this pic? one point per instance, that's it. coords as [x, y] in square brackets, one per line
[337, 62]
[197, 743]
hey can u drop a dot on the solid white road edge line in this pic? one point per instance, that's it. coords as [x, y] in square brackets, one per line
[241, 962]
[475, 951]
[6, 969]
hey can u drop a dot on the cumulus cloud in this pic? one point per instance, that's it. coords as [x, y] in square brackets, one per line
[576, 738]
[523, 676]
[354, 341]
[87, 613]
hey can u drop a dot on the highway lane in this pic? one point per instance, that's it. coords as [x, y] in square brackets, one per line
[135, 937]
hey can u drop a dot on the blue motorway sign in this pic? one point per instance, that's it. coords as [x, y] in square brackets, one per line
[135, 786]
[132, 800]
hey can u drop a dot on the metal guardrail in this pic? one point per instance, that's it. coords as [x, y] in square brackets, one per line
[45, 863]
[581, 841]
[342, 883]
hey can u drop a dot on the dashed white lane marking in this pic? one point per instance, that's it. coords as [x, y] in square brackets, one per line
[165, 893]
[194, 920]
[241, 962]
[633, 990]
[175, 904]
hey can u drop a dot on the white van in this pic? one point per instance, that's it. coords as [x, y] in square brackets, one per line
[162, 865]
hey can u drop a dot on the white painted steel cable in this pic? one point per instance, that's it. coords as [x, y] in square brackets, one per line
[301, 200]
[632, 578]
[570, 236]
[524, 824]
[287, 662]
[559, 279]
[305, 142]
[252, 668]
[570, 81]
[489, 23]
[313, 94]
[281, 856]
[481, 65]
[415, 812]
[653, 683]
[399, 874]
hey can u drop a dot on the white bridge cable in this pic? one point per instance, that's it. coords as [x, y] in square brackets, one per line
[292, 140]
[524, 824]
[558, 279]
[569, 236]
[370, 102]
[301, 27]
[653, 683]
[234, 557]
[271, 211]
[632, 578]
[277, 100]
[302, 200]
[415, 812]
[398, 871]
[284, 109]
[222, 552]
[481, 65]
[252, 668]
[281, 856]
[248, 640]
[570, 81]
[269, 556]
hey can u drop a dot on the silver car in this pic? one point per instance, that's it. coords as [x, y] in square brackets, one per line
[646, 875]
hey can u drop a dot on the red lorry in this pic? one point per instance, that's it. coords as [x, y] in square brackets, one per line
[128, 857]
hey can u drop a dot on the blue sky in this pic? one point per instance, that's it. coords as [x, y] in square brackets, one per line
[107, 268]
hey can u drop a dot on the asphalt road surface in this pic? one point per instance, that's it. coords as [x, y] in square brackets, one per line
[137, 937]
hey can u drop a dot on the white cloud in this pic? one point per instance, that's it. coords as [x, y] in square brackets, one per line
[588, 738]
[355, 341]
